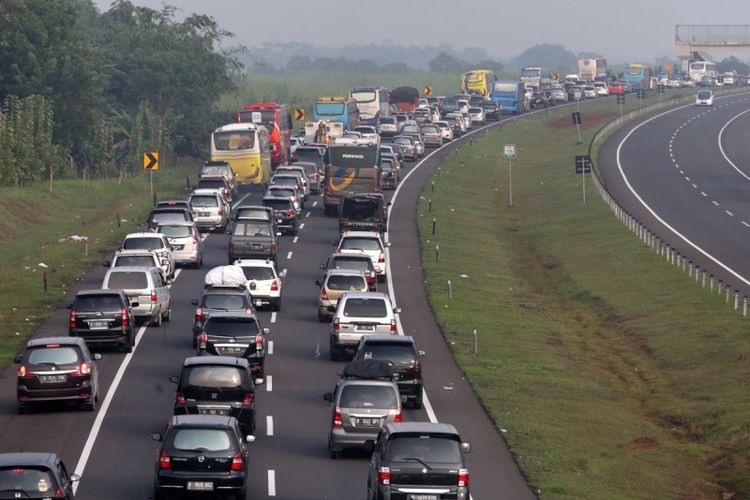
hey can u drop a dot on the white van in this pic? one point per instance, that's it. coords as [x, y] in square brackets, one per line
[147, 287]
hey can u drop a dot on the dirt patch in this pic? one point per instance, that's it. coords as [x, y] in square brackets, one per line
[643, 443]
[586, 119]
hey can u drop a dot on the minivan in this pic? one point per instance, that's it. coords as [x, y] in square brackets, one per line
[146, 287]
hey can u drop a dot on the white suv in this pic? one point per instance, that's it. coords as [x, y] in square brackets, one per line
[367, 243]
[152, 241]
[263, 281]
[359, 314]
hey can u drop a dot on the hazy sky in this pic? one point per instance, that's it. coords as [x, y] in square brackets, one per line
[634, 30]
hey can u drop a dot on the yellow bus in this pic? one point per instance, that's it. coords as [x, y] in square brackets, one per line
[246, 148]
[478, 81]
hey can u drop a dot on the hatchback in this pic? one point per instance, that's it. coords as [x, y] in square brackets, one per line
[103, 317]
[402, 353]
[152, 241]
[477, 114]
[333, 285]
[144, 286]
[216, 183]
[353, 262]
[408, 146]
[216, 299]
[263, 282]
[186, 243]
[164, 215]
[387, 125]
[432, 136]
[35, 475]
[287, 217]
[57, 369]
[359, 314]
[704, 98]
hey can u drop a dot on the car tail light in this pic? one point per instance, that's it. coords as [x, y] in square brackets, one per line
[273, 247]
[323, 293]
[372, 276]
[336, 325]
[384, 475]
[221, 212]
[153, 295]
[125, 321]
[274, 286]
[83, 369]
[58, 493]
[203, 340]
[164, 461]
[248, 309]
[399, 417]
[72, 323]
[463, 477]
[417, 369]
[195, 238]
[382, 257]
[179, 398]
[337, 422]
[24, 372]
[248, 400]
[238, 463]
[259, 342]
[289, 213]
[393, 326]
[199, 316]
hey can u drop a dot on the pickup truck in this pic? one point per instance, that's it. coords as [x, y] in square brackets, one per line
[252, 240]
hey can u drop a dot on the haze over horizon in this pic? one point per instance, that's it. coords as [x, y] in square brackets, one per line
[641, 31]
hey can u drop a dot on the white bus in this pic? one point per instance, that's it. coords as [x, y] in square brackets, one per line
[372, 102]
[699, 69]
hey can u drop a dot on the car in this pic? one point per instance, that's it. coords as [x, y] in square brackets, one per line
[294, 143]
[238, 334]
[408, 146]
[163, 215]
[460, 119]
[174, 204]
[364, 399]
[216, 385]
[201, 454]
[300, 172]
[286, 191]
[491, 109]
[398, 151]
[445, 130]
[186, 242]
[254, 212]
[314, 177]
[387, 126]
[456, 125]
[404, 357]
[601, 89]
[216, 183]
[706, 81]
[144, 286]
[147, 258]
[369, 134]
[575, 93]
[401, 118]
[35, 475]
[477, 115]
[103, 317]
[353, 262]
[57, 369]
[432, 135]
[418, 456]
[393, 158]
[212, 169]
[218, 298]
[310, 153]
[674, 82]
[688, 82]
[435, 110]
[449, 105]
[253, 240]
[359, 314]
[263, 282]
[363, 211]
[589, 92]
[157, 242]
[333, 285]
[388, 173]
[704, 98]
[418, 142]
[422, 116]
[211, 210]
[290, 179]
[368, 243]
[287, 217]
[615, 88]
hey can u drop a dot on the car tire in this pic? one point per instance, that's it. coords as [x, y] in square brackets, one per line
[168, 315]
[417, 403]
[159, 494]
[90, 405]
[156, 321]
[128, 345]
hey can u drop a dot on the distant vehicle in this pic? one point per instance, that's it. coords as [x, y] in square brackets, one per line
[152, 242]
[674, 81]
[368, 243]
[639, 77]
[219, 298]
[186, 242]
[615, 88]
[590, 70]
[700, 69]
[372, 102]
[478, 81]
[220, 169]
[536, 76]
[278, 122]
[144, 286]
[337, 109]
[704, 98]
[263, 282]
[350, 169]
[253, 240]
[333, 285]
[246, 148]
[363, 212]
[405, 98]
[477, 115]
[237, 334]
[387, 125]
[510, 96]
[354, 262]
[210, 209]
[103, 317]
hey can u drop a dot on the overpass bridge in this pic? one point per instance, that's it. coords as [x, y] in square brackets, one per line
[691, 38]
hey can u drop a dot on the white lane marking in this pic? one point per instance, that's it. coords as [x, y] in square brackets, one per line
[271, 483]
[721, 147]
[96, 427]
[289, 255]
[269, 425]
[687, 178]
[269, 383]
[651, 210]
[729, 213]
[240, 201]
[745, 224]
[270, 347]
[315, 203]
[273, 317]
[283, 273]
[296, 239]
[302, 225]
[715, 202]
[307, 215]
[703, 193]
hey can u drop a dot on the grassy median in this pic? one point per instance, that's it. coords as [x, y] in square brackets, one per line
[40, 230]
[611, 374]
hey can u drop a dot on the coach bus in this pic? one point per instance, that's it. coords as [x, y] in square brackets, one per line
[350, 169]
[699, 69]
[639, 77]
[478, 81]
[337, 109]
[278, 122]
[246, 148]
[372, 103]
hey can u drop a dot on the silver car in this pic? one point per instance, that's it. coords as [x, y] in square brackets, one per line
[210, 210]
[145, 286]
[359, 314]
[186, 241]
[432, 136]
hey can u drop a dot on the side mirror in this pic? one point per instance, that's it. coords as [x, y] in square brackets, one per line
[249, 438]
[74, 478]
[328, 396]
[174, 379]
[421, 353]
[397, 310]
[155, 436]
[369, 446]
[69, 306]
[97, 356]
[194, 302]
[466, 446]
[106, 263]
[266, 331]
[17, 360]
[317, 282]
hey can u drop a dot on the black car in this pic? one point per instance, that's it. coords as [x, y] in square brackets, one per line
[363, 212]
[216, 385]
[103, 317]
[361, 263]
[201, 454]
[389, 174]
[287, 217]
[449, 105]
[491, 109]
[35, 475]
[57, 369]
[237, 334]
[402, 353]
[418, 456]
[219, 298]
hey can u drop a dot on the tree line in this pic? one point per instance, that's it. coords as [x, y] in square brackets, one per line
[85, 93]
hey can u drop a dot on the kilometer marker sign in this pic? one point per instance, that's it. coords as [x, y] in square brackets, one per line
[509, 151]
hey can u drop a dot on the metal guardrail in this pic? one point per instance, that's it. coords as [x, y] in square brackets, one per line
[641, 231]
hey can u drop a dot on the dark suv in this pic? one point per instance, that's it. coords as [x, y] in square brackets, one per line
[35, 475]
[216, 385]
[219, 299]
[403, 355]
[57, 369]
[103, 316]
[422, 457]
[363, 212]
[287, 217]
[201, 454]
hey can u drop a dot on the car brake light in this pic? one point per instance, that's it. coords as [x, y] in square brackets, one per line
[237, 462]
[59, 493]
[274, 286]
[248, 400]
[83, 369]
[382, 257]
[23, 372]
[393, 326]
[125, 320]
[337, 422]
[221, 212]
[336, 325]
[203, 340]
[384, 475]
[153, 295]
[179, 398]
[273, 247]
[199, 316]
[73, 315]
[289, 213]
[417, 369]
[399, 417]
[463, 477]
[195, 238]
[164, 461]
[248, 309]
[323, 293]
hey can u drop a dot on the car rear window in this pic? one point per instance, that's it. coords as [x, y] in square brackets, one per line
[176, 231]
[161, 217]
[128, 280]
[61, 355]
[363, 264]
[346, 283]
[252, 229]
[282, 191]
[240, 327]
[224, 377]
[278, 204]
[32, 480]
[425, 447]
[368, 396]
[357, 243]
[134, 260]
[259, 273]
[394, 352]
[192, 439]
[210, 184]
[365, 308]
[204, 201]
[285, 180]
[142, 243]
[101, 303]
[224, 302]
[359, 209]
[388, 120]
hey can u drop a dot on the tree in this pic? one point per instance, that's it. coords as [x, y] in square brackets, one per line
[548, 56]
[447, 63]
[732, 62]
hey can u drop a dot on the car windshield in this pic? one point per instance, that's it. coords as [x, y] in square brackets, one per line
[134, 260]
[227, 302]
[278, 204]
[239, 327]
[346, 283]
[475, 110]
[252, 229]
[142, 243]
[175, 231]
[193, 439]
[259, 273]
[427, 448]
[393, 352]
[368, 396]
[101, 303]
[357, 243]
[30, 480]
[204, 201]
[225, 377]
[128, 280]
[704, 94]
[403, 140]
[363, 264]
[53, 355]
[365, 308]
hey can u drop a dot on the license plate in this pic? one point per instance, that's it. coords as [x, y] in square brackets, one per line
[256, 246]
[422, 496]
[204, 214]
[368, 422]
[213, 411]
[178, 247]
[98, 324]
[200, 485]
[366, 328]
[233, 350]
[52, 379]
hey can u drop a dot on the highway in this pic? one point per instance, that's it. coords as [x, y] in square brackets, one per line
[112, 450]
[685, 174]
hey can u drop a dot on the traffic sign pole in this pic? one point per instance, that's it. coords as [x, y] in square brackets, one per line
[510, 182]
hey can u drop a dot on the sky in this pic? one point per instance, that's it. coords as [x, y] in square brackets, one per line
[630, 31]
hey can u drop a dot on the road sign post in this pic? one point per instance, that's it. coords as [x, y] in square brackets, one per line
[583, 166]
[620, 101]
[151, 163]
[509, 153]
[577, 122]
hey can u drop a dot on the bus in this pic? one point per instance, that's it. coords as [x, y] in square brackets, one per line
[372, 103]
[510, 95]
[278, 122]
[337, 109]
[535, 76]
[245, 146]
[478, 81]
[639, 77]
[699, 69]
[350, 168]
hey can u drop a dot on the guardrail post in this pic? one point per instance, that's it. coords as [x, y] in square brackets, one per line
[118, 219]
[736, 300]
[44, 283]
[429, 205]
[744, 306]
[434, 225]
[476, 341]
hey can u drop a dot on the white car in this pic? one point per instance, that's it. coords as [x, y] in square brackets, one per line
[152, 241]
[704, 98]
[186, 241]
[210, 209]
[446, 130]
[263, 281]
[674, 82]
[589, 91]
[601, 88]
[368, 243]
[369, 134]
[476, 114]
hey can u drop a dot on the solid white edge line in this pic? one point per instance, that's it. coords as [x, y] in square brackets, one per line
[269, 383]
[96, 427]
[651, 210]
[269, 425]
[721, 147]
[271, 483]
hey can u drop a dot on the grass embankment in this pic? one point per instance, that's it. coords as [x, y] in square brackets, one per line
[34, 229]
[613, 374]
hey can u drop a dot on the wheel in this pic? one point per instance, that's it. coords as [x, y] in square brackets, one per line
[334, 453]
[159, 494]
[168, 315]
[90, 405]
[156, 321]
[128, 345]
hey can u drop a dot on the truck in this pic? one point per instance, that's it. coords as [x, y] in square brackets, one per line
[405, 99]
[510, 96]
[590, 70]
[322, 132]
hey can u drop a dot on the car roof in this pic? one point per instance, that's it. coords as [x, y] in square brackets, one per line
[144, 235]
[233, 314]
[180, 223]
[273, 197]
[27, 459]
[416, 427]
[203, 192]
[100, 291]
[55, 340]
[133, 251]
[391, 339]
[226, 290]
[338, 255]
[254, 262]
[216, 360]
[203, 421]
[360, 234]
[254, 207]
[345, 272]
[365, 295]
[131, 269]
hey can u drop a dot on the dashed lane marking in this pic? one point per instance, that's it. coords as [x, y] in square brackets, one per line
[269, 425]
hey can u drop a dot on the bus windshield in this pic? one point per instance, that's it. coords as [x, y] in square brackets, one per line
[329, 108]
[531, 72]
[233, 141]
[364, 95]
[635, 70]
[505, 88]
